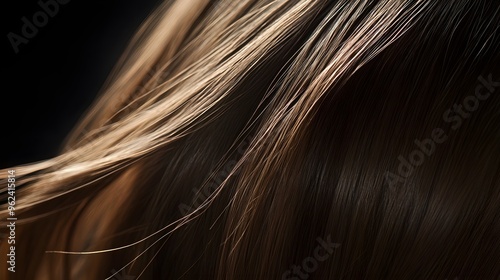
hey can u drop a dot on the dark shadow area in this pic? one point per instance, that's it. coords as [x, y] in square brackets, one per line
[56, 74]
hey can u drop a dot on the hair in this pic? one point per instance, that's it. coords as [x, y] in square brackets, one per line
[238, 139]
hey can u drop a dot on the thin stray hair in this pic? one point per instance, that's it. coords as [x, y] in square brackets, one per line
[312, 108]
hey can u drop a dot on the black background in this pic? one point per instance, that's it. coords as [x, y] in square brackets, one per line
[52, 80]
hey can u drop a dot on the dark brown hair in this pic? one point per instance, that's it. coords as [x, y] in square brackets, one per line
[280, 140]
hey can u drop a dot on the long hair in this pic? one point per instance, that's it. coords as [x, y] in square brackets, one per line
[260, 139]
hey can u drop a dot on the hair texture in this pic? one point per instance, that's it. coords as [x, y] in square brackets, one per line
[233, 136]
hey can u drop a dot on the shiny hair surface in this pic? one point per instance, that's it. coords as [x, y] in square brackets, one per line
[259, 139]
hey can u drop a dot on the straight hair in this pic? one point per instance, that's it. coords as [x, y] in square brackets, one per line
[260, 139]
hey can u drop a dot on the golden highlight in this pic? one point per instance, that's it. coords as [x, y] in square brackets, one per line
[261, 139]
